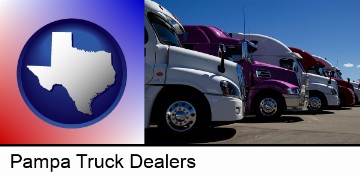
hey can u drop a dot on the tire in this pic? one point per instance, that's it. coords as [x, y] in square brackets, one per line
[316, 103]
[182, 113]
[342, 100]
[268, 106]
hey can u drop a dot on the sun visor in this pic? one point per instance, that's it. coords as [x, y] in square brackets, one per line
[179, 29]
[151, 6]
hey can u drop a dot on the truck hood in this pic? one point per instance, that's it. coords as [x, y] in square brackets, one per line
[344, 83]
[258, 63]
[277, 73]
[181, 57]
[322, 80]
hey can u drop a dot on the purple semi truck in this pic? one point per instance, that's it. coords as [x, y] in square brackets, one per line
[270, 89]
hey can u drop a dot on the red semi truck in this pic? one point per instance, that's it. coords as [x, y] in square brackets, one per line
[312, 64]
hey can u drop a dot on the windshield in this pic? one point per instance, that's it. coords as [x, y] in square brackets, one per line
[322, 72]
[233, 53]
[291, 65]
[287, 64]
[338, 75]
[317, 71]
[165, 32]
[334, 74]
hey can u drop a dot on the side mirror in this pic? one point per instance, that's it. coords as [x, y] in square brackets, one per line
[185, 36]
[329, 82]
[221, 67]
[222, 48]
[348, 79]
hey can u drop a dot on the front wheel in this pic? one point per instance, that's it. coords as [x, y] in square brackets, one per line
[269, 107]
[182, 113]
[316, 103]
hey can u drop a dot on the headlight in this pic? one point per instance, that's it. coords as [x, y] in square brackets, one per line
[228, 88]
[295, 91]
[333, 91]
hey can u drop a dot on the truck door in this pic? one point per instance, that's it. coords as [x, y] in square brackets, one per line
[149, 51]
[299, 72]
[290, 64]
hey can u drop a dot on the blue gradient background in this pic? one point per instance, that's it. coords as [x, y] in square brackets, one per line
[122, 19]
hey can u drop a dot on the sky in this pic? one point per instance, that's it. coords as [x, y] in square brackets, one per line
[329, 29]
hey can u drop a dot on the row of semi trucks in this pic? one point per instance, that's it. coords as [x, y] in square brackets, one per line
[200, 76]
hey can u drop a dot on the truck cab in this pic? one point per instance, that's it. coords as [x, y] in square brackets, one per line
[268, 91]
[185, 91]
[346, 89]
[276, 53]
[323, 91]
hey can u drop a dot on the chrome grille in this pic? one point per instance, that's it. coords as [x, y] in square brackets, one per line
[263, 73]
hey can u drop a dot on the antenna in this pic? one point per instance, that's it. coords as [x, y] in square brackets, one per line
[244, 19]
[337, 63]
[249, 34]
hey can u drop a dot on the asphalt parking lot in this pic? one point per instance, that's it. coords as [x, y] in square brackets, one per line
[332, 126]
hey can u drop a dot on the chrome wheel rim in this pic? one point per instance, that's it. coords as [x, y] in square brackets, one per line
[314, 103]
[181, 116]
[268, 107]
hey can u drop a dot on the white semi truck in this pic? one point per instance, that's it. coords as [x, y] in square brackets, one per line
[274, 52]
[185, 90]
[349, 92]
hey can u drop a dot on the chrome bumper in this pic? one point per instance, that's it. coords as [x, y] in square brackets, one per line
[296, 102]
